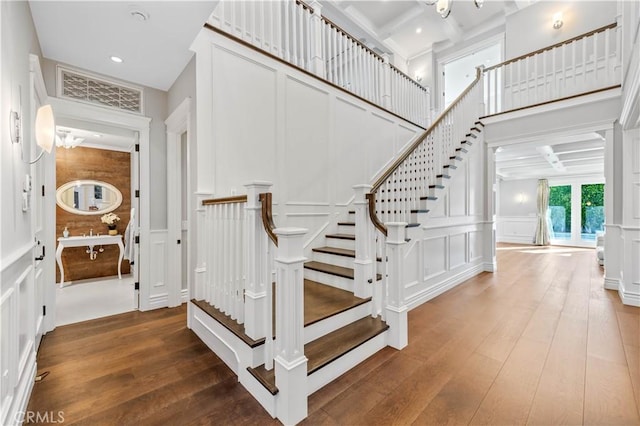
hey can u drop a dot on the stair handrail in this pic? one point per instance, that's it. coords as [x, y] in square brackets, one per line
[371, 196]
[267, 216]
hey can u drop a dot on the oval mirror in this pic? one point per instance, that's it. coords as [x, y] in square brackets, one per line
[88, 197]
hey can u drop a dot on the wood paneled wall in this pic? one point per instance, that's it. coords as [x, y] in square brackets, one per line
[113, 167]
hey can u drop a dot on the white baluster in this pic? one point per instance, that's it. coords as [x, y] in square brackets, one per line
[316, 30]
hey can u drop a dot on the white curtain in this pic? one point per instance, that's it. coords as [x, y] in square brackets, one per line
[542, 229]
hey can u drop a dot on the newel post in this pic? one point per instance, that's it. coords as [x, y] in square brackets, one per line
[317, 60]
[290, 362]
[386, 82]
[363, 263]
[255, 261]
[396, 308]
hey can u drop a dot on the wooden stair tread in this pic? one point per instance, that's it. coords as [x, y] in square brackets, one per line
[346, 223]
[341, 236]
[340, 271]
[267, 378]
[336, 250]
[328, 348]
[332, 346]
[227, 322]
[323, 301]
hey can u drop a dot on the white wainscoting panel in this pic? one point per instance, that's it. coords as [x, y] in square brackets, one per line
[306, 150]
[457, 250]
[475, 245]
[458, 191]
[158, 288]
[515, 229]
[435, 256]
[243, 120]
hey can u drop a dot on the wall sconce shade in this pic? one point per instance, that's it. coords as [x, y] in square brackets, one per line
[45, 128]
[557, 21]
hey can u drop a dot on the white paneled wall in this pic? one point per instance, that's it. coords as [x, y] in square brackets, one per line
[267, 121]
[450, 245]
[158, 288]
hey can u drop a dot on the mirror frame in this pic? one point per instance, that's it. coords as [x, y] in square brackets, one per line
[64, 187]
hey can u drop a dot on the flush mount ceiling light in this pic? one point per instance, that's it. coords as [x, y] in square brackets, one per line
[116, 59]
[444, 6]
[418, 30]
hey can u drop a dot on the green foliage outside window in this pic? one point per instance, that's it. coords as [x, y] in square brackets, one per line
[560, 196]
[592, 208]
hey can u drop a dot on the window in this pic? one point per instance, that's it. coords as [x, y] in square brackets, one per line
[576, 213]
[560, 212]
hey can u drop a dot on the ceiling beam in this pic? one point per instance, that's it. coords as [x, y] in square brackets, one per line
[399, 21]
[547, 153]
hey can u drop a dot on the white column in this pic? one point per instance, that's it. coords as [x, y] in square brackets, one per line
[200, 272]
[629, 289]
[363, 265]
[291, 364]
[317, 60]
[489, 234]
[396, 308]
[386, 82]
[612, 210]
[255, 259]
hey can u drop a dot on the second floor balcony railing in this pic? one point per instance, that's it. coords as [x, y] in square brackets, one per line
[587, 63]
[297, 33]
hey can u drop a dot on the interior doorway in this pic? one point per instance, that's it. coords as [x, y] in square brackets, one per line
[95, 221]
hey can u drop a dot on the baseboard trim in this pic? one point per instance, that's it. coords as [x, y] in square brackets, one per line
[611, 283]
[158, 301]
[184, 295]
[629, 298]
[514, 239]
[447, 284]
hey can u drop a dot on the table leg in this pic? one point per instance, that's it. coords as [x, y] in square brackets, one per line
[121, 247]
[59, 260]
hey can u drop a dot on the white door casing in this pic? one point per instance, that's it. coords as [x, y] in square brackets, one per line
[177, 124]
[137, 123]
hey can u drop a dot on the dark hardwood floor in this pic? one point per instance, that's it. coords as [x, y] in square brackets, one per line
[539, 342]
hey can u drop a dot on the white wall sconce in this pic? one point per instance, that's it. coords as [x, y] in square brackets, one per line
[44, 130]
[557, 21]
[521, 198]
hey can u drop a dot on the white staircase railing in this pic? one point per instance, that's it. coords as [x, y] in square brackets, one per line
[297, 33]
[583, 64]
[397, 193]
[224, 255]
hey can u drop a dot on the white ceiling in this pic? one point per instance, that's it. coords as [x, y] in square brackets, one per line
[576, 155]
[87, 33]
[391, 25]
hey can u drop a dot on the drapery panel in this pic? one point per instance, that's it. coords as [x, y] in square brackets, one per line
[542, 237]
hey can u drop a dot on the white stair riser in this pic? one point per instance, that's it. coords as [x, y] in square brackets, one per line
[327, 325]
[340, 243]
[333, 259]
[345, 363]
[329, 279]
[346, 229]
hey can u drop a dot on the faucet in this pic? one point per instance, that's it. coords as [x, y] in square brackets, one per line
[91, 232]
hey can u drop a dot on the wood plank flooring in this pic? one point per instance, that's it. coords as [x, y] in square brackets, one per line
[539, 342]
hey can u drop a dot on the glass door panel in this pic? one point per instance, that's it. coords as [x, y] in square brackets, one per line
[560, 212]
[592, 214]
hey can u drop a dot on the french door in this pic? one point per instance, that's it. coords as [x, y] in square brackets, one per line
[576, 213]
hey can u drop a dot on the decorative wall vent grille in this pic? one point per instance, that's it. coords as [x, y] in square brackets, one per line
[90, 89]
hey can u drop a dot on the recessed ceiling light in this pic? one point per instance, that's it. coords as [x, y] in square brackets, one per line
[97, 135]
[418, 30]
[116, 59]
